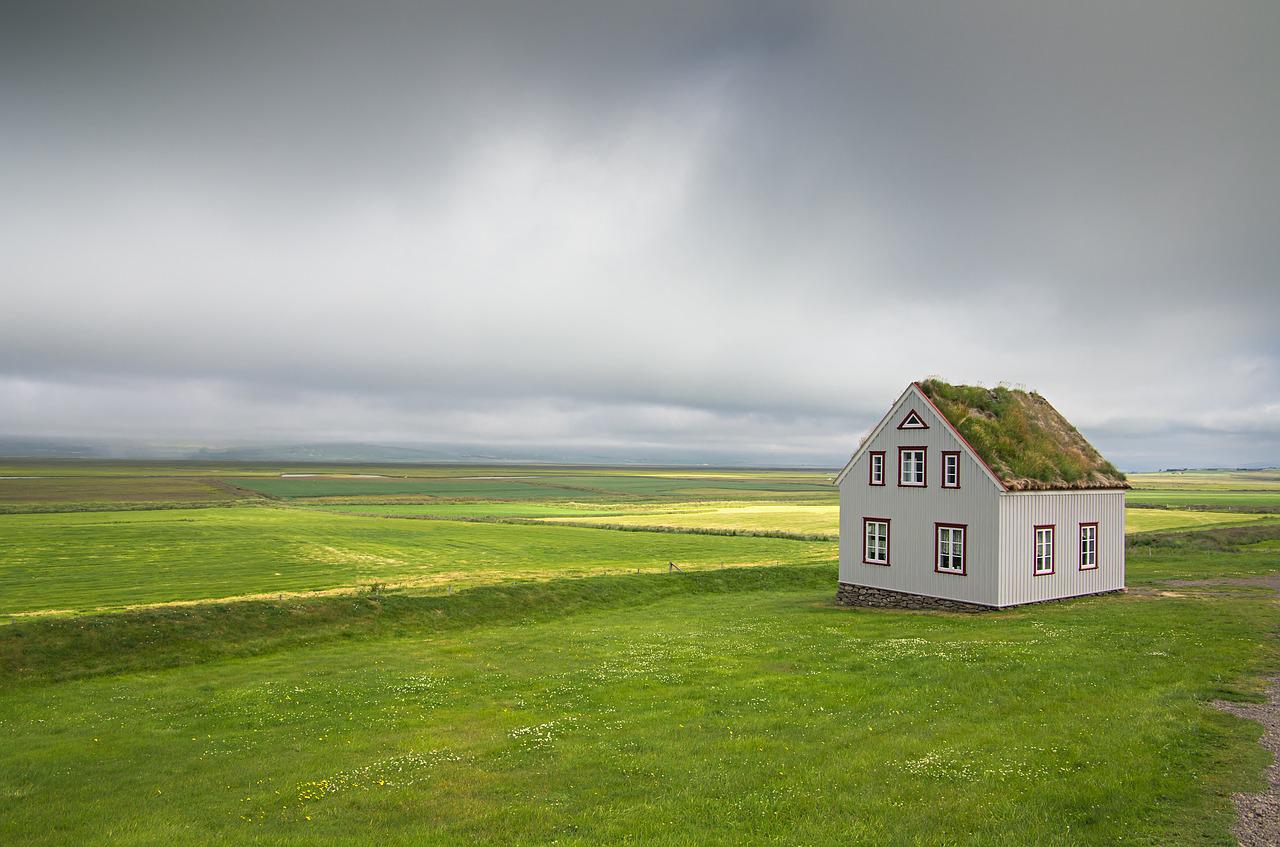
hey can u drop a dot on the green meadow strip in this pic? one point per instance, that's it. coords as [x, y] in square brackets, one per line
[48, 649]
[617, 527]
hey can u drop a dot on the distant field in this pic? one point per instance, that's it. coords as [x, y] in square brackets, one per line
[825, 519]
[141, 489]
[804, 518]
[488, 489]
[1148, 520]
[547, 487]
[1259, 499]
[1209, 480]
[85, 560]
[477, 509]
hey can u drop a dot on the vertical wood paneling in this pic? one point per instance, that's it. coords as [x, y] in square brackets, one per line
[1021, 512]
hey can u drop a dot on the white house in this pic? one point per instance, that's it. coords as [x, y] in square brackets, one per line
[965, 497]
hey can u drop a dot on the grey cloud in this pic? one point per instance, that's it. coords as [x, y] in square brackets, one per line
[679, 224]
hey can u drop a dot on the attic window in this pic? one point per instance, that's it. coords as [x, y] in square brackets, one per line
[913, 421]
[911, 461]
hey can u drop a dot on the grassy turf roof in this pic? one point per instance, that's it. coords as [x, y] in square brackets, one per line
[1023, 439]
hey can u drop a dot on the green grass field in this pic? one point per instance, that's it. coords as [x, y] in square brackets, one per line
[390, 680]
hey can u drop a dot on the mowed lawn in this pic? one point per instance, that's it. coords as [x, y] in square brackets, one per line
[753, 716]
[86, 560]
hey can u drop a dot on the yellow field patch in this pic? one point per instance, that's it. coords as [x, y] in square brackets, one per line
[821, 518]
[803, 518]
[1147, 520]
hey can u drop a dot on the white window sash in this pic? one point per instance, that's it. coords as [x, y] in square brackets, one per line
[911, 468]
[877, 542]
[950, 549]
[1088, 546]
[1044, 550]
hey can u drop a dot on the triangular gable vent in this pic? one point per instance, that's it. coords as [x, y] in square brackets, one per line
[913, 421]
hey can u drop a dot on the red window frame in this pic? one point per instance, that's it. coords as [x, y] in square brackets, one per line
[1080, 542]
[918, 418]
[888, 538]
[964, 547]
[945, 455]
[924, 467]
[871, 466]
[1053, 549]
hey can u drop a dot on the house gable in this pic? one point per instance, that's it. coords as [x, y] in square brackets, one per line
[914, 407]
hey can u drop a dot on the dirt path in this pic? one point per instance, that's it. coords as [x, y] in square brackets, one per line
[1258, 815]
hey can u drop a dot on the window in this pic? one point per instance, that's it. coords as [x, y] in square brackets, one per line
[951, 469]
[875, 548]
[948, 548]
[1088, 546]
[911, 466]
[876, 472]
[1044, 550]
[913, 421]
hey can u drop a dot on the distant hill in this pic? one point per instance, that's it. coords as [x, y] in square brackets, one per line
[335, 452]
[32, 448]
[360, 452]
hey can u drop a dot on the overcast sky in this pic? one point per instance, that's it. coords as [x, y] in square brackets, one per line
[730, 227]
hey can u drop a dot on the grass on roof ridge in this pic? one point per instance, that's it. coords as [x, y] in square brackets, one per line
[1027, 443]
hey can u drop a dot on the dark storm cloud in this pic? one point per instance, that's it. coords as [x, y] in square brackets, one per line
[654, 224]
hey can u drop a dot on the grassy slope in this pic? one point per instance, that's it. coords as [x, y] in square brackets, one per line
[716, 707]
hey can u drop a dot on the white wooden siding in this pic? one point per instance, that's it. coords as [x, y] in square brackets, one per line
[1021, 512]
[913, 511]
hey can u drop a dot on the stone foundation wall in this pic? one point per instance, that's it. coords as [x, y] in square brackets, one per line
[864, 595]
